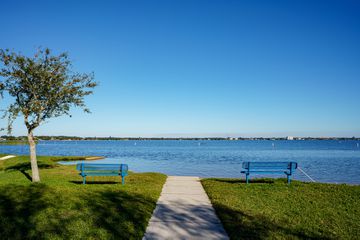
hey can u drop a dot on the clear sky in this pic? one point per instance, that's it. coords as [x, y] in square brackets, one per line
[201, 68]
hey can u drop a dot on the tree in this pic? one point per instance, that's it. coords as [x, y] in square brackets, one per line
[42, 87]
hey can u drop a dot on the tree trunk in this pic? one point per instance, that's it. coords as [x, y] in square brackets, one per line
[34, 166]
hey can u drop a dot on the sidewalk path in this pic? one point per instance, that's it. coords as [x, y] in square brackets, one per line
[7, 157]
[184, 211]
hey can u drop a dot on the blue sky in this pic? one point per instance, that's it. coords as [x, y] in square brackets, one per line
[201, 68]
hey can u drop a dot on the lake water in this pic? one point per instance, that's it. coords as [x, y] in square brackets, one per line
[325, 161]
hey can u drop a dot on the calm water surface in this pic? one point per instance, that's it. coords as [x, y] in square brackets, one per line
[325, 161]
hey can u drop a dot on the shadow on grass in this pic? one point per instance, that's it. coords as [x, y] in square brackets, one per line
[124, 216]
[25, 166]
[41, 212]
[95, 182]
[240, 225]
[237, 181]
[18, 206]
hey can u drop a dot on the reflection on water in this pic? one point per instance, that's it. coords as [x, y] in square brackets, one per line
[325, 161]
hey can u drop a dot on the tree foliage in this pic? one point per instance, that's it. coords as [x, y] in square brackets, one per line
[43, 86]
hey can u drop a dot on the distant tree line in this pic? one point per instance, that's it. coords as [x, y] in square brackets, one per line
[64, 138]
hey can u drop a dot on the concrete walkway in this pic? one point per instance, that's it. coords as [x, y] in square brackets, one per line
[7, 157]
[184, 211]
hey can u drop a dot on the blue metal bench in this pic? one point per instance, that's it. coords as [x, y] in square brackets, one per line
[269, 167]
[96, 169]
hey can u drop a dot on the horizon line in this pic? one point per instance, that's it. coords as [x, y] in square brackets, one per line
[187, 137]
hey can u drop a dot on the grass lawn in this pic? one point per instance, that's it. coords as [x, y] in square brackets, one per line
[60, 207]
[270, 209]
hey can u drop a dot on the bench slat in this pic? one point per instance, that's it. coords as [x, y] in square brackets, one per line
[98, 166]
[101, 174]
[286, 165]
[270, 172]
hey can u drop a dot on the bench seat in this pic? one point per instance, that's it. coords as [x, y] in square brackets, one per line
[99, 169]
[286, 168]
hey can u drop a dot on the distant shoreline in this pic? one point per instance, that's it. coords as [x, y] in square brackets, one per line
[23, 139]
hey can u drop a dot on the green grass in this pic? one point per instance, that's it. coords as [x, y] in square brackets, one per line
[270, 209]
[60, 207]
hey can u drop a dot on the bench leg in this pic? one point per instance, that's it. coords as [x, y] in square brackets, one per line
[247, 178]
[288, 178]
[122, 180]
[84, 180]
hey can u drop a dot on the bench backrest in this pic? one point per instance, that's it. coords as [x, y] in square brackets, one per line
[101, 167]
[270, 165]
